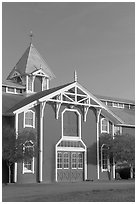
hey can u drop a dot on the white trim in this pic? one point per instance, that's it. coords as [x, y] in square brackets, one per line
[26, 107]
[108, 164]
[71, 149]
[114, 166]
[16, 129]
[103, 131]
[98, 116]
[125, 125]
[12, 92]
[33, 115]
[118, 104]
[25, 171]
[42, 107]
[39, 72]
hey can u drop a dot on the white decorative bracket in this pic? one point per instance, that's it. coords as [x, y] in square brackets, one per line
[86, 108]
[58, 105]
[98, 114]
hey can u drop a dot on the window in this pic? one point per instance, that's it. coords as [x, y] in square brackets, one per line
[18, 90]
[104, 158]
[10, 90]
[30, 84]
[117, 130]
[59, 160]
[29, 118]
[104, 126]
[121, 105]
[115, 104]
[28, 164]
[66, 160]
[71, 123]
[74, 161]
[80, 160]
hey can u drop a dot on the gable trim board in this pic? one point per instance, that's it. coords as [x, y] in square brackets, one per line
[48, 97]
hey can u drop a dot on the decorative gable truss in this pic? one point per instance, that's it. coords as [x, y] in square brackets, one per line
[73, 94]
[39, 72]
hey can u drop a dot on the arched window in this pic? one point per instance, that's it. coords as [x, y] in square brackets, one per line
[104, 125]
[29, 119]
[71, 123]
[104, 157]
[28, 164]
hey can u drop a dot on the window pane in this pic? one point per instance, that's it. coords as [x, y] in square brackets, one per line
[29, 117]
[74, 161]
[29, 84]
[66, 161]
[104, 125]
[59, 160]
[10, 89]
[80, 161]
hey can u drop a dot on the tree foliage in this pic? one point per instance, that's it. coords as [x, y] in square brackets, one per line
[13, 149]
[122, 147]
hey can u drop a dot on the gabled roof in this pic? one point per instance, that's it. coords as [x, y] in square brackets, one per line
[12, 84]
[109, 98]
[117, 116]
[8, 101]
[36, 97]
[31, 61]
[127, 115]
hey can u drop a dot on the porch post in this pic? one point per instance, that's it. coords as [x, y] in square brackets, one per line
[98, 116]
[15, 164]
[42, 106]
[114, 167]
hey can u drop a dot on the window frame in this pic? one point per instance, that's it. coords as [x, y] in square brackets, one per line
[33, 118]
[25, 170]
[108, 164]
[120, 130]
[104, 131]
[79, 125]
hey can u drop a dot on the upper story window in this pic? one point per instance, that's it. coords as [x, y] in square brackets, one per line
[71, 120]
[28, 164]
[118, 105]
[104, 125]
[29, 119]
[30, 87]
[10, 90]
[117, 130]
[104, 158]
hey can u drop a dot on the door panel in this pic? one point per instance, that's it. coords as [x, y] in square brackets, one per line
[70, 166]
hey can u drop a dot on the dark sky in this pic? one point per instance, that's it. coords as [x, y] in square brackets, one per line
[95, 38]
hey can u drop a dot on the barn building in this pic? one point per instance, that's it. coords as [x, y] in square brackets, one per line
[68, 120]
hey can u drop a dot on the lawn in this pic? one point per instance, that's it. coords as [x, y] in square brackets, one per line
[85, 192]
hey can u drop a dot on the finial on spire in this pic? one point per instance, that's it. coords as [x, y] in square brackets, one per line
[31, 36]
[75, 76]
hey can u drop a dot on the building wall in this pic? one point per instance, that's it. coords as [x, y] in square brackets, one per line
[7, 121]
[52, 134]
[29, 177]
[89, 132]
[128, 130]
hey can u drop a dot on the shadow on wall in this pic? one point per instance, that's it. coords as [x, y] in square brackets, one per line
[92, 154]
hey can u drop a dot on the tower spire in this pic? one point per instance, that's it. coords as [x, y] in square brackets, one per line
[31, 36]
[75, 76]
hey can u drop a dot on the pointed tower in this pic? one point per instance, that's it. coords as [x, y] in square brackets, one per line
[31, 71]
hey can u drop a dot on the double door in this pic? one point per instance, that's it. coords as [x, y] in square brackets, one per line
[70, 166]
